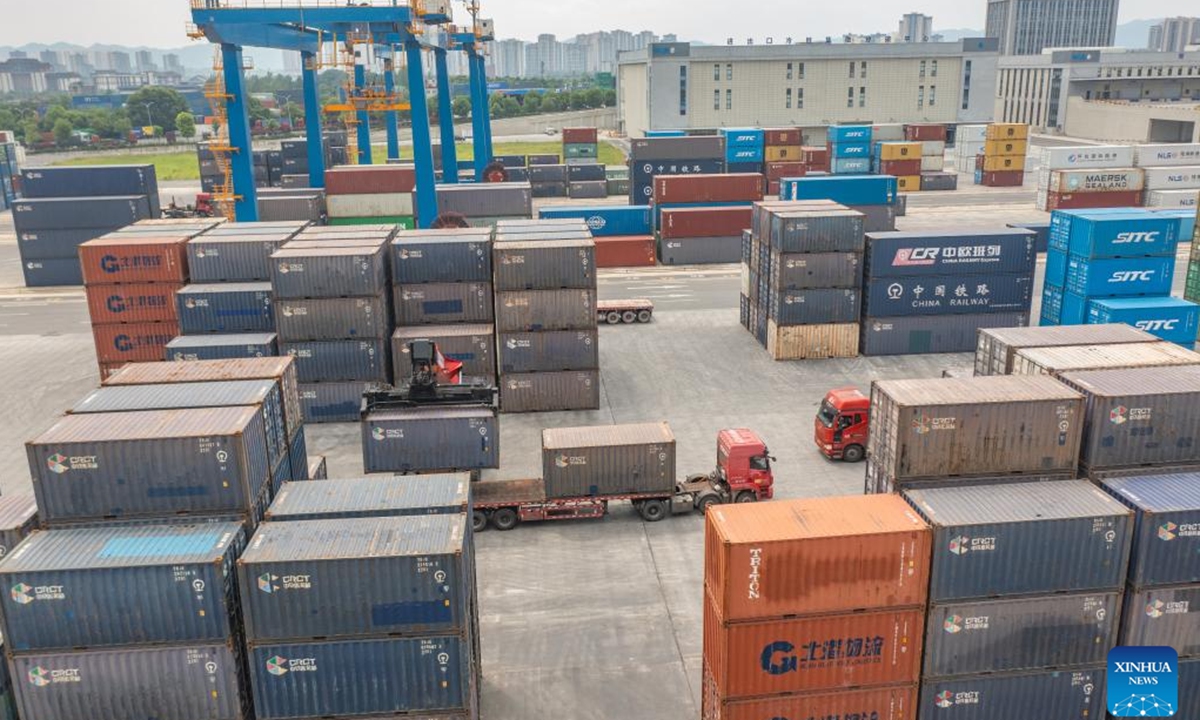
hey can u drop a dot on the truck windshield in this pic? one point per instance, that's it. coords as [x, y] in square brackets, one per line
[827, 414]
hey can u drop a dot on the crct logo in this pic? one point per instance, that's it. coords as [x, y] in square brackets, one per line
[57, 463]
[1154, 609]
[944, 699]
[265, 583]
[277, 665]
[38, 676]
[1118, 415]
[960, 545]
[21, 594]
[953, 624]
[1166, 531]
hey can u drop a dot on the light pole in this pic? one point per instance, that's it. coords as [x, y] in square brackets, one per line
[149, 118]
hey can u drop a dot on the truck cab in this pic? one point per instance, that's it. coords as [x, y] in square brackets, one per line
[842, 424]
[744, 464]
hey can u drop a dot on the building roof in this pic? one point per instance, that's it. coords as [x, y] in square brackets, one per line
[813, 50]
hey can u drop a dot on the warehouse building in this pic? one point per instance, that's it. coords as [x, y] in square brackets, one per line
[679, 86]
[1103, 93]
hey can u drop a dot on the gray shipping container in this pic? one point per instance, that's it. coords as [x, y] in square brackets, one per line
[333, 318]
[435, 494]
[1166, 540]
[472, 345]
[877, 218]
[438, 303]
[1049, 695]
[587, 189]
[542, 234]
[526, 310]
[219, 347]
[609, 460]
[180, 682]
[1024, 539]
[550, 391]
[548, 173]
[974, 426]
[1163, 617]
[700, 251]
[486, 199]
[917, 335]
[340, 360]
[56, 244]
[678, 148]
[545, 265]
[997, 347]
[827, 229]
[1030, 633]
[430, 440]
[795, 271]
[79, 212]
[816, 306]
[172, 583]
[1139, 417]
[226, 307]
[331, 402]
[329, 272]
[442, 256]
[156, 463]
[934, 181]
[222, 258]
[1075, 358]
[302, 206]
[18, 518]
[548, 351]
[51, 273]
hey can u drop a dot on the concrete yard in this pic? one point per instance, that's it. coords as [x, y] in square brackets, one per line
[593, 618]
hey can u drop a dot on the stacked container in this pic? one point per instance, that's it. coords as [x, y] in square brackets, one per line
[616, 179]
[581, 146]
[1002, 161]
[333, 315]
[815, 159]
[10, 161]
[624, 234]
[1088, 157]
[700, 218]
[549, 181]
[931, 292]
[996, 352]
[812, 607]
[782, 156]
[849, 149]
[485, 204]
[586, 181]
[64, 207]
[371, 195]
[1007, 638]
[744, 149]
[901, 160]
[969, 142]
[547, 341]
[874, 196]
[655, 157]
[1172, 174]
[932, 137]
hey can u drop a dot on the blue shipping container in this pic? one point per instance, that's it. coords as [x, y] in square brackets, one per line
[1186, 218]
[850, 166]
[605, 220]
[1171, 319]
[743, 137]
[331, 402]
[849, 133]
[51, 273]
[1050, 695]
[369, 497]
[856, 190]
[1131, 234]
[172, 583]
[222, 347]
[892, 254]
[1113, 277]
[814, 306]
[744, 155]
[850, 150]
[947, 295]
[339, 360]
[1166, 540]
[225, 308]
[1056, 267]
[419, 258]
[360, 677]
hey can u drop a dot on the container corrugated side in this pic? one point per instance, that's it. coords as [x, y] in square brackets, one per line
[331, 272]
[433, 494]
[1166, 539]
[18, 518]
[943, 295]
[1054, 695]
[546, 264]
[430, 440]
[796, 271]
[222, 347]
[608, 460]
[814, 306]
[997, 347]
[550, 391]
[1024, 538]
[528, 310]
[550, 350]
[172, 583]
[962, 252]
[333, 318]
[132, 303]
[233, 259]
[437, 303]
[897, 702]
[802, 342]
[225, 308]
[464, 256]
[340, 360]
[330, 402]
[1163, 617]
[1058, 360]
[472, 345]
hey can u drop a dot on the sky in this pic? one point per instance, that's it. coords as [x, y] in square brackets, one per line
[160, 23]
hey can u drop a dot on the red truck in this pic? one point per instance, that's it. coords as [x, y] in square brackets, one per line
[583, 480]
[841, 426]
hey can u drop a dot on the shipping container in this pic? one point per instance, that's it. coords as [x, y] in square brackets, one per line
[580, 135]
[545, 265]
[1120, 232]
[340, 360]
[700, 250]
[333, 318]
[90, 181]
[997, 348]
[815, 556]
[892, 254]
[1004, 178]
[1003, 163]
[608, 460]
[1087, 181]
[816, 270]
[859, 190]
[134, 303]
[366, 179]
[1170, 319]
[678, 148]
[1167, 155]
[1171, 199]
[1084, 201]
[589, 190]
[1113, 277]
[330, 272]
[302, 205]
[590, 172]
[56, 244]
[1167, 525]
[899, 168]
[548, 351]
[133, 342]
[551, 173]
[192, 461]
[331, 402]
[1086, 156]
[819, 230]
[644, 173]
[472, 345]
[1059, 360]
[605, 221]
[439, 303]
[1006, 131]
[222, 347]
[974, 426]
[373, 205]
[51, 273]
[704, 222]
[851, 165]
[18, 518]
[370, 497]
[984, 536]
[1017, 148]
[233, 258]
[180, 681]
[813, 306]
[172, 583]
[225, 308]
[452, 255]
[116, 258]
[947, 294]
[1163, 617]
[626, 251]
[486, 199]
[550, 391]
[316, 469]
[79, 212]
[1053, 695]
[705, 188]
[938, 181]
[430, 440]
[529, 310]
[803, 342]
[896, 702]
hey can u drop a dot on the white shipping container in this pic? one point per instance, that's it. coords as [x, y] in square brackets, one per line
[1186, 199]
[1086, 181]
[1087, 156]
[965, 164]
[746, 280]
[1168, 155]
[1172, 178]
[934, 163]
[373, 205]
[933, 148]
[970, 133]
[891, 132]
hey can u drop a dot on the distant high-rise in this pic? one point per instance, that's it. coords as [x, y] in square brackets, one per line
[1026, 27]
[915, 28]
[508, 58]
[1174, 34]
[172, 63]
[119, 62]
[51, 58]
[145, 61]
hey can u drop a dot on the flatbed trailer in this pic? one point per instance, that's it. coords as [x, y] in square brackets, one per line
[624, 312]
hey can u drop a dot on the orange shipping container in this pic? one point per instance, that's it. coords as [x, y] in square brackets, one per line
[888, 703]
[828, 652]
[133, 303]
[814, 556]
[133, 342]
[116, 258]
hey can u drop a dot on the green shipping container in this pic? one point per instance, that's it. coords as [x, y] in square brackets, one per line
[406, 222]
[581, 150]
[618, 187]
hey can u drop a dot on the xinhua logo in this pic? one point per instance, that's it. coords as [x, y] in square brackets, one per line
[953, 624]
[277, 665]
[39, 676]
[57, 463]
[1166, 531]
[22, 594]
[1143, 682]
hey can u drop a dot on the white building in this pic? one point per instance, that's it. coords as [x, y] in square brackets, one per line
[1026, 27]
[508, 58]
[915, 27]
[1174, 34]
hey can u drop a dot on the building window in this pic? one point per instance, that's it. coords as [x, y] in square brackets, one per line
[729, 71]
[717, 73]
[920, 96]
[716, 99]
[800, 72]
[862, 97]
[922, 73]
[1108, 72]
[683, 89]
[1160, 72]
[729, 99]
[966, 98]
[932, 70]
[851, 69]
[862, 69]
[789, 71]
[799, 98]
[849, 97]
[1139, 72]
[932, 95]
[788, 99]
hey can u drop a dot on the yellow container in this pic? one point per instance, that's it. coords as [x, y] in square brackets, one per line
[1000, 163]
[900, 151]
[908, 183]
[1006, 147]
[779, 153]
[1007, 131]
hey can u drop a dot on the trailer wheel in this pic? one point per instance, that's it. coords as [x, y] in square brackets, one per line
[629, 317]
[613, 318]
[643, 316]
[505, 519]
[746, 496]
[706, 502]
[653, 510]
[479, 521]
[853, 453]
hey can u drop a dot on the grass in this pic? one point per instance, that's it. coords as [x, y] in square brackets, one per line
[609, 153]
[167, 166]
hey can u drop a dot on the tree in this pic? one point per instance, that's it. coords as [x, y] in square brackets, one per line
[33, 135]
[63, 131]
[461, 107]
[533, 104]
[162, 104]
[185, 124]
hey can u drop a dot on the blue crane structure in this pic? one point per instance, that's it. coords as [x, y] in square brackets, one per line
[302, 26]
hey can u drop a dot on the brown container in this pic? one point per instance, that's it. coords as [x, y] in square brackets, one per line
[134, 303]
[773, 188]
[1002, 163]
[813, 155]
[1058, 360]
[925, 132]
[133, 342]
[997, 348]
[580, 135]
[1013, 178]
[898, 702]
[625, 251]
[827, 652]
[738, 187]
[900, 168]
[782, 152]
[781, 170]
[705, 222]
[810, 342]
[1084, 201]
[996, 425]
[815, 556]
[370, 179]
[133, 259]
[781, 136]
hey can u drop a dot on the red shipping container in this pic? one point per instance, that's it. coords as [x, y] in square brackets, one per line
[900, 168]
[370, 179]
[925, 132]
[135, 342]
[827, 652]
[1004, 178]
[981, 160]
[625, 251]
[773, 188]
[898, 702]
[781, 136]
[738, 187]
[705, 222]
[814, 155]
[816, 556]
[1079, 201]
[580, 135]
[107, 370]
[130, 259]
[135, 303]
[780, 170]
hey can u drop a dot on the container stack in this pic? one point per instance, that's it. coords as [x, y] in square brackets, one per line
[586, 181]
[1172, 175]
[581, 146]
[1013, 639]
[782, 154]
[1002, 162]
[874, 196]
[654, 157]
[931, 292]
[64, 207]
[547, 338]
[1055, 187]
[1059, 360]
[849, 149]
[549, 180]
[485, 204]
[932, 137]
[371, 195]
[815, 159]
[624, 234]
[802, 279]
[969, 143]
[996, 353]
[793, 648]
[700, 218]
[10, 169]
[743, 149]
[333, 315]
[616, 178]
[901, 160]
